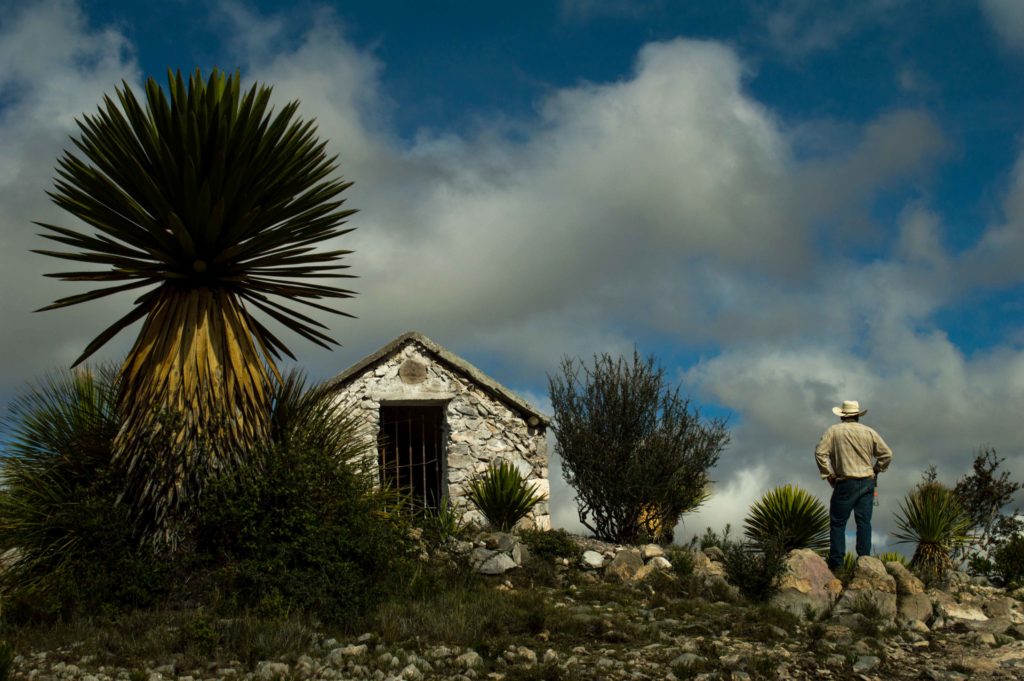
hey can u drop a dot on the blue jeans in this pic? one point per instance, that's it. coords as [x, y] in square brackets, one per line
[851, 494]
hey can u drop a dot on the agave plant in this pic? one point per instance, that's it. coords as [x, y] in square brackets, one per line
[892, 557]
[60, 436]
[217, 206]
[502, 495]
[788, 515]
[931, 517]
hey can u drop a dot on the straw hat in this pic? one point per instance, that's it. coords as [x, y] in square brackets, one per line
[849, 408]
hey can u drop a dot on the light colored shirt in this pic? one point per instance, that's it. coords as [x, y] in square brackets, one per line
[850, 449]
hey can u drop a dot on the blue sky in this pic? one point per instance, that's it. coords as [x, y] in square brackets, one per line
[789, 202]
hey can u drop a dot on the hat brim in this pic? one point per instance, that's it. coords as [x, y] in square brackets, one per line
[839, 412]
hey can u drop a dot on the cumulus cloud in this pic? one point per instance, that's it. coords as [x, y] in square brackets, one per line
[1007, 20]
[800, 27]
[670, 203]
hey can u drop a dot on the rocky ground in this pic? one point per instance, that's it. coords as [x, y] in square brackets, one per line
[611, 618]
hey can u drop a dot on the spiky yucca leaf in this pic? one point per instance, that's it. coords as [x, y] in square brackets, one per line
[217, 205]
[791, 516]
[502, 495]
[931, 517]
[892, 557]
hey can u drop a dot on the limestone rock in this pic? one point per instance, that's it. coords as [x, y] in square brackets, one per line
[660, 563]
[961, 611]
[870, 583]
[592, 560]
[498, 564]
[650, 551]
[912, 602]
[715, 554]
[469, 660]
[705, 567]
[806, 582]
[624, 565]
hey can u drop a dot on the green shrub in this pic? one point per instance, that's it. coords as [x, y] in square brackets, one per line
[1008, 562]
[7, 656]
[637, 454]
[551, 545]
[501, 494]
[75, 545]
[303, 529]
[753, 569]
[791, 516]
[931, 517]
[892, 557]
[446, 521]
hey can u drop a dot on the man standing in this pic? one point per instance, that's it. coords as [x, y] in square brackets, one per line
[849, 456]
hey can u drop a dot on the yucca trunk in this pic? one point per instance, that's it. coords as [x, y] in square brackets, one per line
[198, 367]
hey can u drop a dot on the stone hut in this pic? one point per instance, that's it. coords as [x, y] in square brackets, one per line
[437, 421]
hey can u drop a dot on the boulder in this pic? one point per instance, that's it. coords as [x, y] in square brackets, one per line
[806, 582]
[497, 564]
[963, 612]
[870, 584]
[660, 563]
[624, 565]
[912, 603]
[592, 560]
[714, 553]
[705, 567]
[650, 551]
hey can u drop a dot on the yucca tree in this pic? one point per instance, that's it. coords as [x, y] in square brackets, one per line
[217, 206]
[931, 517]
[790, 516]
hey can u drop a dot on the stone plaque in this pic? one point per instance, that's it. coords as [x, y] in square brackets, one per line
[412, 372]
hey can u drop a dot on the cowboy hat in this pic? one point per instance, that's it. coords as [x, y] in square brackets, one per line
[849, 408]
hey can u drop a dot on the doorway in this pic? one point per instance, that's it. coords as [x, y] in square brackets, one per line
[410, 450]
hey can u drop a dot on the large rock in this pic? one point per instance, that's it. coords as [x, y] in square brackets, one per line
[705, 567]
[652, 551]
[498, 564]
[870, 584]
[806, 583]
[592, 560]
[624, 565]
[912, 603]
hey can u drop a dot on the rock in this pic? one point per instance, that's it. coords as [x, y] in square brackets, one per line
[469, 660]
[592, 560]
[624, 566]
[705, 567]
[498, 564]
[1000, 606]
[652, 551]
[866, 663]
[806, 582]
[912, 603]
[960, 611]
[500, 541]
[411, 673]
[660, 563]
[550, 656]
[643, 573]
[270, 671]
[871, 584]
[715, 554]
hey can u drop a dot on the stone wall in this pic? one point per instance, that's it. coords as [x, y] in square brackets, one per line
[479, 427]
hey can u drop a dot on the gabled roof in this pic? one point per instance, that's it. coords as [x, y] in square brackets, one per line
[453, 361]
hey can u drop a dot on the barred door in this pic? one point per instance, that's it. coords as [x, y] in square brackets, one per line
[409, 450]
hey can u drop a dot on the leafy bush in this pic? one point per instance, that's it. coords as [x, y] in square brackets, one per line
[791, 516]
[551, 545]
[1008, 562]
[74, 545]
[636, 453]
[502, 495]
[303, 529]
[931, 517]
[892, 557]
[753, 569]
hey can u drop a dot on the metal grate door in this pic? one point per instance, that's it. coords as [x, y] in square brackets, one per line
[409, 450]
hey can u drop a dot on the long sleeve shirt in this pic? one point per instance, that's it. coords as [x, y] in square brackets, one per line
[850, 449]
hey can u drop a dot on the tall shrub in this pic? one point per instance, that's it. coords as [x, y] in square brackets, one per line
[629, 444]
[503, 495]
[71, 544]
[303, 527]
[931, 517]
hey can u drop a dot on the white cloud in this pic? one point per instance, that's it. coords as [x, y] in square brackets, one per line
[1007, 19]
[670, 202]
[800, 27]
